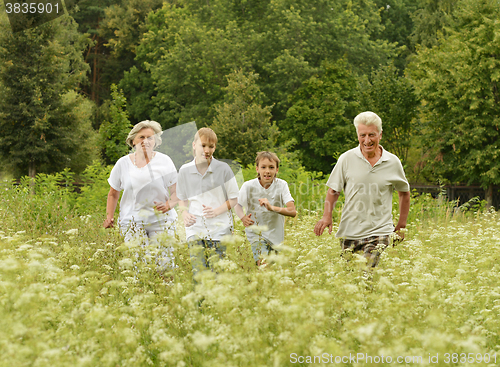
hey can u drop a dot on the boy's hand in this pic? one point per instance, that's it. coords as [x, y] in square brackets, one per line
[189, 219]
[208, 212]
[247, 221]
[265, 202]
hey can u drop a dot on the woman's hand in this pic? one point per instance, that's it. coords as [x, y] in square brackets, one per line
[109, 222]
[162, 207]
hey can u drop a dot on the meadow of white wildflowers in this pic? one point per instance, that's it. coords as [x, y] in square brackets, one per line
[73, 294]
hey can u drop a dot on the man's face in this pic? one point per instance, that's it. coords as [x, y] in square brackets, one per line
[368, 137]
[203, 149]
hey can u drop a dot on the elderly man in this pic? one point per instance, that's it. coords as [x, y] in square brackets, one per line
[367, 174]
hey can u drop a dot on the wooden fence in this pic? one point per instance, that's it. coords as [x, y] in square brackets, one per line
[457, 192]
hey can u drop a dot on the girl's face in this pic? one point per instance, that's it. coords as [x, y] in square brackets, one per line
[267, 170]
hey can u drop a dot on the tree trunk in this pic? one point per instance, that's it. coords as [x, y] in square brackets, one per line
[489, 196]
[32, 174]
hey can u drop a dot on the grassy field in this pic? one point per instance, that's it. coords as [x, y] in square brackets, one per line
[73, 294]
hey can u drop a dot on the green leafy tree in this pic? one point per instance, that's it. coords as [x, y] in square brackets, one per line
[242, 125]
[396, 18]
[114, 132]
[188, 50]
[319, 123]
[431, 20]
[392, 97]
[42, 125]
[458, 82]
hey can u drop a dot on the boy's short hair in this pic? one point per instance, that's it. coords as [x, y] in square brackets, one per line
[269, 155]
[207, 133]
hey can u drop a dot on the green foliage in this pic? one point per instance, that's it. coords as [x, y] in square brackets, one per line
[242, 126]
[431, 20]
[396, 17]
[189, 49]
[319, 122]
[458, 82]
[43, 125]
[43, 202]
[113, 133]
[392, 97]
[82, 296]
[94, 191]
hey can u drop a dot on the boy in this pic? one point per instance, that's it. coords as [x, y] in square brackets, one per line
[207, 191]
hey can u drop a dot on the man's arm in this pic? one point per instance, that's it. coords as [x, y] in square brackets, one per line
[404, 209]
[331, 199]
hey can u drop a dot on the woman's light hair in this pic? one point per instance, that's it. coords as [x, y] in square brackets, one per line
[269, 155]
[155, 126]
[368, 118]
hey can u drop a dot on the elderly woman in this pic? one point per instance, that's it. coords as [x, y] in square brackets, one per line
[148, 180]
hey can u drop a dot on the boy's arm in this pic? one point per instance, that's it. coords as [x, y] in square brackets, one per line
[210, 212]
[189, 219]
[289, 211]
[246, 219]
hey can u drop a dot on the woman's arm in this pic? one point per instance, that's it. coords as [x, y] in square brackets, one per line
[113, 197]
[170, 203]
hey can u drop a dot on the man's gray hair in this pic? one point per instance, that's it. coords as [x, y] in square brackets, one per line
[155, 126]
[368, 118]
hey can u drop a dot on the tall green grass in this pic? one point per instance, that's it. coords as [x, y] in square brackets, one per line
[72, 293]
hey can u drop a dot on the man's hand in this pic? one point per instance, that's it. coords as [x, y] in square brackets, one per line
[247, 221]
[322, 224]
[189, 219]
[400, 231]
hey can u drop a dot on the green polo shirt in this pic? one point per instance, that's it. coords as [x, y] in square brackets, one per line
[368, 193]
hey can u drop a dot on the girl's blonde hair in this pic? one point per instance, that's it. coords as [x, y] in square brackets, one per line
[269, 155]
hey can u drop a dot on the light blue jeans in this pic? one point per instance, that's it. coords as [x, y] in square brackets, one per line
[262, 247]
[200, 252]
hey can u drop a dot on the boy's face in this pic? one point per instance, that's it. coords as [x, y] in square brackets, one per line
[267, 170]
[203, 149]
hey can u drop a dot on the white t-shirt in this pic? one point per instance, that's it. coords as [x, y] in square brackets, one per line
[142, 187]
[212, 189]
[368, 193]
[278, 194]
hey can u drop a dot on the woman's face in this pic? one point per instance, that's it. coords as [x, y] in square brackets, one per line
[145, 139]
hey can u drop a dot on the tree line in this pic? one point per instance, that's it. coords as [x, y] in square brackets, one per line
[287, 75]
